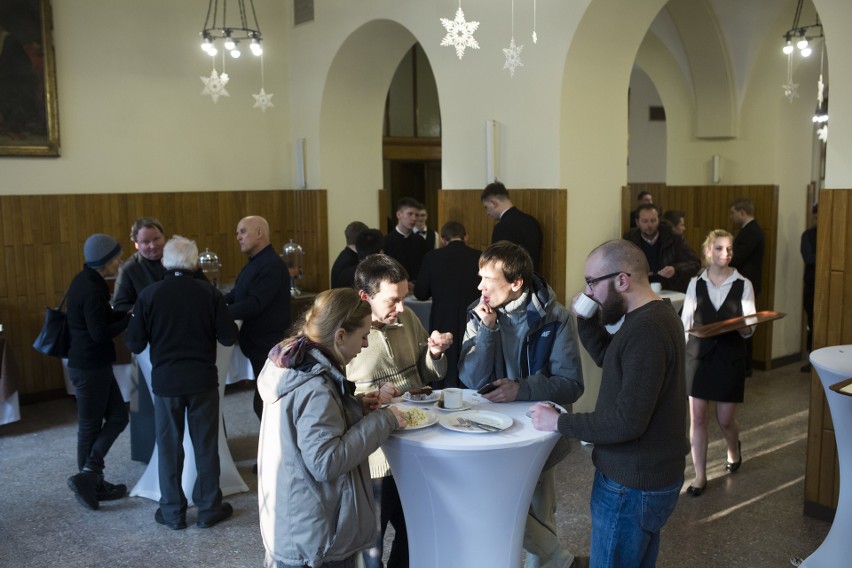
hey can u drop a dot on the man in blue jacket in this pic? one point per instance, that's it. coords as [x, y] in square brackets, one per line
[523, 342]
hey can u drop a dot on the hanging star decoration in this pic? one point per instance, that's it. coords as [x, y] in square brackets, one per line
[214, 85]
[822, 132]
[513, 57]
[459, 33]
[263, 100]
[820, 90]
[791, 90]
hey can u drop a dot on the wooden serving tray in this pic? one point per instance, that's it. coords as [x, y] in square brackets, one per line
[720, 327]
[843, 387]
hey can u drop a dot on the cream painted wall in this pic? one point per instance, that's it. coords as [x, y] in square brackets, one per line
[130, 111]
[647, 155]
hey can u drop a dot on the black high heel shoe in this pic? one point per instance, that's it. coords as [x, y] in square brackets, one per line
[696, 491]
[733, 467]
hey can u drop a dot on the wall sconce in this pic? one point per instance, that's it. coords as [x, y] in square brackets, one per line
[492, 151]
[715, 168]
[301, 179]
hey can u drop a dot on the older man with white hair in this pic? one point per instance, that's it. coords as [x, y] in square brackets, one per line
[183, 318]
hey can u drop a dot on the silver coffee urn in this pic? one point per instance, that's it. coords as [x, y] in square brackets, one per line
[209, 262]
[293, 255]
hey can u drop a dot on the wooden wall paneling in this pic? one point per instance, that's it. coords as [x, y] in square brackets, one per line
[41, 239]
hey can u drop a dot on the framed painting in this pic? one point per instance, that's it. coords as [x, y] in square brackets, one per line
[29, 122]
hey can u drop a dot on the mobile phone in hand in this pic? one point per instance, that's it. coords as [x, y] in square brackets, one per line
[487, 388]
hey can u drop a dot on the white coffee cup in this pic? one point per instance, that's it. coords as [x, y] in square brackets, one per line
[656, 287]
[452, 398]
[585, 306]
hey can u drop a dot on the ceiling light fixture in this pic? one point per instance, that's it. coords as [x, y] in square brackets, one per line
[221, 23]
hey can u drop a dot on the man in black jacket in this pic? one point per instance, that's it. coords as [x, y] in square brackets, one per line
[748, 255]
[348, 257]
[671, 260]
[260, 297]
[513, 225]
[101, 412]
[182, 318]
[450, 276]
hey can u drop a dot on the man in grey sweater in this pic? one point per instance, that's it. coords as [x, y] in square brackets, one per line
[639, 422]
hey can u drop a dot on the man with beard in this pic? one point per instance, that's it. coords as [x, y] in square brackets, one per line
[522, 341]
[671, 262]
[638, 426]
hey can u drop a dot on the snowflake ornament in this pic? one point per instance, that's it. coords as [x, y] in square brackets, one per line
[513, 57]
[214, 85]
[459, 33]
[791, 90]
[822, 133]
[535, 37]
[263, 100]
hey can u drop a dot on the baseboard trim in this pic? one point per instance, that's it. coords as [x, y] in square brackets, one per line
[777, 362]
[819, 511]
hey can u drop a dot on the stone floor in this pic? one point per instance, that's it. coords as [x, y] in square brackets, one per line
[750, 519]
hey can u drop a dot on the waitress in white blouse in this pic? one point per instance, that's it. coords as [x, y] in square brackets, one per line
[715, 366]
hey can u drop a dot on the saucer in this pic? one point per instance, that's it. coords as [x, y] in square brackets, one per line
[464, 406]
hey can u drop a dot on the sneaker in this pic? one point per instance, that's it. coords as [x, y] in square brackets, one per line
[224, 512]
[107, 491]
[158, 516]
[84, 485]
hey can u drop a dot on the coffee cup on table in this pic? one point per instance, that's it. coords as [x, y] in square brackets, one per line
[452, 398]
[585, 306]
[656, 287]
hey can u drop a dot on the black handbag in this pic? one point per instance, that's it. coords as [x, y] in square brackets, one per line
[55, 338]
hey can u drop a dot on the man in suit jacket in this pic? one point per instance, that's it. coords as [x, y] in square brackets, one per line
[449, 275]
[260, 298]
[513, 225]
[749, 242]
[348, 257]
[401, 243]
[748, 254]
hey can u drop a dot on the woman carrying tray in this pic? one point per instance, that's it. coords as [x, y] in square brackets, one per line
[715, 366]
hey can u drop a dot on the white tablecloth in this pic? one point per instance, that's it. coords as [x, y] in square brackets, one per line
[466, 496]
[230, 481]
[834, 364]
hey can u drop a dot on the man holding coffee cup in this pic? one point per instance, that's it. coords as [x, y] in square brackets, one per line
[520, 343]
[639, 423]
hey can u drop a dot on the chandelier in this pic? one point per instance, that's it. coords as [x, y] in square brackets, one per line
[222, 23]
[801, 36]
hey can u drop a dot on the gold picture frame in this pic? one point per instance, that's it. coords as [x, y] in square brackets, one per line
[29, 121]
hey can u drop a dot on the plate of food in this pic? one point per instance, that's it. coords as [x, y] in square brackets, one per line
[423, 395]
[476, 422]
[417, 418]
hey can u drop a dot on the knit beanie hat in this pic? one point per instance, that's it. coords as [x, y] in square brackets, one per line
[100, 249]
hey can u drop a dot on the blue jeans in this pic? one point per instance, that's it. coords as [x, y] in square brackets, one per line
[626, 523]
[101, 415]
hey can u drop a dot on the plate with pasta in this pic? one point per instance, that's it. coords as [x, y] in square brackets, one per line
[417, 418]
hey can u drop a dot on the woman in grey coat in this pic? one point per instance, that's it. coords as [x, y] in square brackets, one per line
[314, 490]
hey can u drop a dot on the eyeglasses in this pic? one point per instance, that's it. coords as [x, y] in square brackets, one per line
[590, 282]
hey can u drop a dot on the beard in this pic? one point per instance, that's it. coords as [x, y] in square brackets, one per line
[614, 307]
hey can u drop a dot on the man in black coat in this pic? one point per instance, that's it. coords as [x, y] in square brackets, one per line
[183, 318]
[748, 244]
[513, 225]
[348, 257]
[450, 276]
[260, 297]
[401, 243]
[747, 254]
[672, 263]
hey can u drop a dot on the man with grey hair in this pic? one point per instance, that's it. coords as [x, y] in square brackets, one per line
[183, 318]
[638, 427]
[260, 297]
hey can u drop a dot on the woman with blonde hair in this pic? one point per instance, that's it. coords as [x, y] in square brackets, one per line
[314, 489]
[715, 366]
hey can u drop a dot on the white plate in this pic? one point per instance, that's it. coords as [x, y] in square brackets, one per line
[406, 396]
[431, 417]
[464, 406]
[450, 421]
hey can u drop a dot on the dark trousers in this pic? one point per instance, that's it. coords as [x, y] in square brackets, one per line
[101, 415]
[201, 412]
[390, 511]
[256, 367]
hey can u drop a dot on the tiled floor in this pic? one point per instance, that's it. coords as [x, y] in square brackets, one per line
[750, 519]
